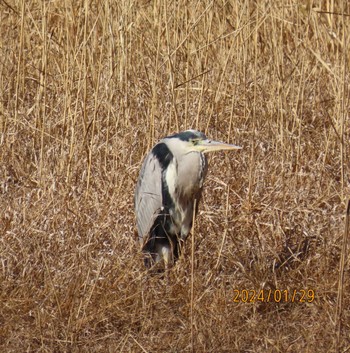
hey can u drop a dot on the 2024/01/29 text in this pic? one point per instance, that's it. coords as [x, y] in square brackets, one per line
[273, 296]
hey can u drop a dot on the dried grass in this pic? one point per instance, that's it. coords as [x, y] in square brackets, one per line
[87, 87]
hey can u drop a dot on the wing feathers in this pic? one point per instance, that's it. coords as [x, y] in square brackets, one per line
[148, 195]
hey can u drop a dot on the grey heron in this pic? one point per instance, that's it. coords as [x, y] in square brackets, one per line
[171, 178]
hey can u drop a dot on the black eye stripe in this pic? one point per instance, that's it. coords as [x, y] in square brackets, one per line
[189, 135]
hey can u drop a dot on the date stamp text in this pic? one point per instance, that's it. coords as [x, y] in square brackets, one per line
[273, 296]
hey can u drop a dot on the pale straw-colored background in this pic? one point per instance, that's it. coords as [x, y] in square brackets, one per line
[87, 87]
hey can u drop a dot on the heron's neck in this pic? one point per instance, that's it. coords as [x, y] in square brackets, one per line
[190, 173]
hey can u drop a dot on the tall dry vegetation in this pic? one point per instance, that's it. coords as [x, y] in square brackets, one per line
[86, 88]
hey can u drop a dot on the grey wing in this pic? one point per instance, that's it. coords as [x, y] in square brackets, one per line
[148, 195]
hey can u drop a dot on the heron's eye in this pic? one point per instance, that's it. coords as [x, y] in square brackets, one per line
[195, 142]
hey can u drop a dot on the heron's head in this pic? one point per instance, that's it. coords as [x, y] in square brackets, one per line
[196, 141]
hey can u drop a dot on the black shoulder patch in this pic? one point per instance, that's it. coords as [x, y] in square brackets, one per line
[163, 154]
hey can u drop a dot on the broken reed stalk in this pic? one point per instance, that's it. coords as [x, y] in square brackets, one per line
[339, 309]
[192, 273]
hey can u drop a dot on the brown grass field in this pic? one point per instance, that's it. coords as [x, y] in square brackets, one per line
[87, 87]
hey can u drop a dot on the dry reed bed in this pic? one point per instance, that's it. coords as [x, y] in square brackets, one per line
[85, 90]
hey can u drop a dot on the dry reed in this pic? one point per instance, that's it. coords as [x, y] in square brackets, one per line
[86, 88]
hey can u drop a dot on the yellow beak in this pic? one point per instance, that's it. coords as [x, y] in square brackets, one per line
[212, 146]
